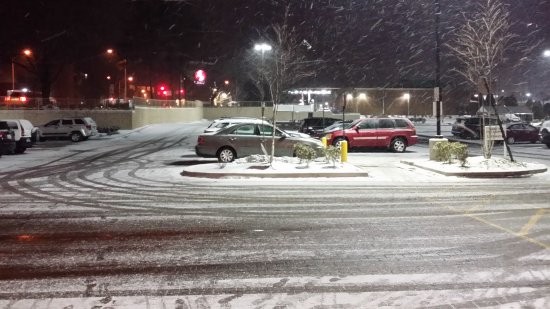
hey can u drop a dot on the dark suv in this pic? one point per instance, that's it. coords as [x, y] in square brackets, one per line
[7, 139]
[471, 127]
[387, 132]
[309, 125]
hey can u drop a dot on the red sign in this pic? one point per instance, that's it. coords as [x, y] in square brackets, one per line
[200, 77]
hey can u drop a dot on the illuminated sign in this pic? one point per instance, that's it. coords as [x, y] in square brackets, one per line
[200, 77]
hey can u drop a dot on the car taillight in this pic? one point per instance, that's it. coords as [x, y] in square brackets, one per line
[23, 99]
[200, 140]
[22, 131]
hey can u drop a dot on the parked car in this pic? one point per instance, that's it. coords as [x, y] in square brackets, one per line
[309, 125]
[22, 131]
[395, 134]
[221, 123]
[521, 132]
[7, 139]
[471, 127]
[334, 127]
[544, 133]
[77, 129]
[246, 139]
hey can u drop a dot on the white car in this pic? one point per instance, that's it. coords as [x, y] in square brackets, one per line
[77, 129]
[221, 123]
[22, 129]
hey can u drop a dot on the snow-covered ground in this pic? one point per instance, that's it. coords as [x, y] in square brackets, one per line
[369, 166]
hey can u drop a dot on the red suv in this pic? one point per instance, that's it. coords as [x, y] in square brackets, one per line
[395, 134]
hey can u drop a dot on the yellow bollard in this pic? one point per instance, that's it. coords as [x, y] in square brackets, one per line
[344, 151]
[324, 141]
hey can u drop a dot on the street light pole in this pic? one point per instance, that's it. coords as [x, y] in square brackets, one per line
[125, 80]
[408, 98]
[437, 69]
[12, 74]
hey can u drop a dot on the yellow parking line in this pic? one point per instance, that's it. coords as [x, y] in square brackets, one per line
[526, 228]
[534, 219]
[531, 240]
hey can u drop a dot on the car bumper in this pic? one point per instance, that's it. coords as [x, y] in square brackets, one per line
[25, 142]
[199, 151]
[7, 147]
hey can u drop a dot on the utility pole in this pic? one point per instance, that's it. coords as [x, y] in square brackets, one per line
[438, 95]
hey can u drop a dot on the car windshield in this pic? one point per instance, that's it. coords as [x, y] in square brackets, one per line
[353, 124]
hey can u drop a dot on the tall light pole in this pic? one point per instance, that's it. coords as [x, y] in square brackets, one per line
[124, 63]
[262, 47]
[438, 96]
[407, 97]
[27, 52]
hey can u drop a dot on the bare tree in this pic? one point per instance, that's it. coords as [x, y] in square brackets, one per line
[284, 65]
[480, 45]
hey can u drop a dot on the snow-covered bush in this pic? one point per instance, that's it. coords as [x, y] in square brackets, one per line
[304, 153]
[332, 154]
[447, 151]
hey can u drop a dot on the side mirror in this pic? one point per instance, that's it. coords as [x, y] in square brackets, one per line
[356, 129]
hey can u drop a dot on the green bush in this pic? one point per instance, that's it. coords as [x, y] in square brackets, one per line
[304, 152]
[332, 154]
[448, 151]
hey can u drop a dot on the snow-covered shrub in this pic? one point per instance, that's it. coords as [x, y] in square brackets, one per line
[304, 153]
[447, 151]
[332, 154]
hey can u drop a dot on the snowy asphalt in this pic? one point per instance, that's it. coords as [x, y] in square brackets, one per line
[110, 222]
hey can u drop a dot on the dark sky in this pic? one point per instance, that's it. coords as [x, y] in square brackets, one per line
[359, 43]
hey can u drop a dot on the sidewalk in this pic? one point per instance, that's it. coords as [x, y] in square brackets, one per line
[373, 164]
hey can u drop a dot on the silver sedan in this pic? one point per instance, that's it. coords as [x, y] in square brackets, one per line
[246, 139]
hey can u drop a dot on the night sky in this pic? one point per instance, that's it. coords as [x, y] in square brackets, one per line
[367, 43]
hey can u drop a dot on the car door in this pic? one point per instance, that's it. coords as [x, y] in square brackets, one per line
[284, 145]
[366, 134]
[245, 140]
[51, 128]
[386, 127]
[66, 127]
[515, 132]
[532, 133]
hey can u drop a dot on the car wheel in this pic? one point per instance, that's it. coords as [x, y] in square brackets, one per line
[76, 136]
[19, 150]
[226, 154]
[548, 145]
[337, 142]
[510, 140]
[398, 145]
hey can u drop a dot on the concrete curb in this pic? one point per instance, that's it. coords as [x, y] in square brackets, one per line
[488, 174]
[273, 175]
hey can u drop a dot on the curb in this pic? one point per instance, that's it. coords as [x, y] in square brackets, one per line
[274, 175]
[499, 174]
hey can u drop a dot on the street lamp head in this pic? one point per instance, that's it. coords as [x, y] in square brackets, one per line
[27, 52]
[110, 51]
[546, 53]
[262, 47]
